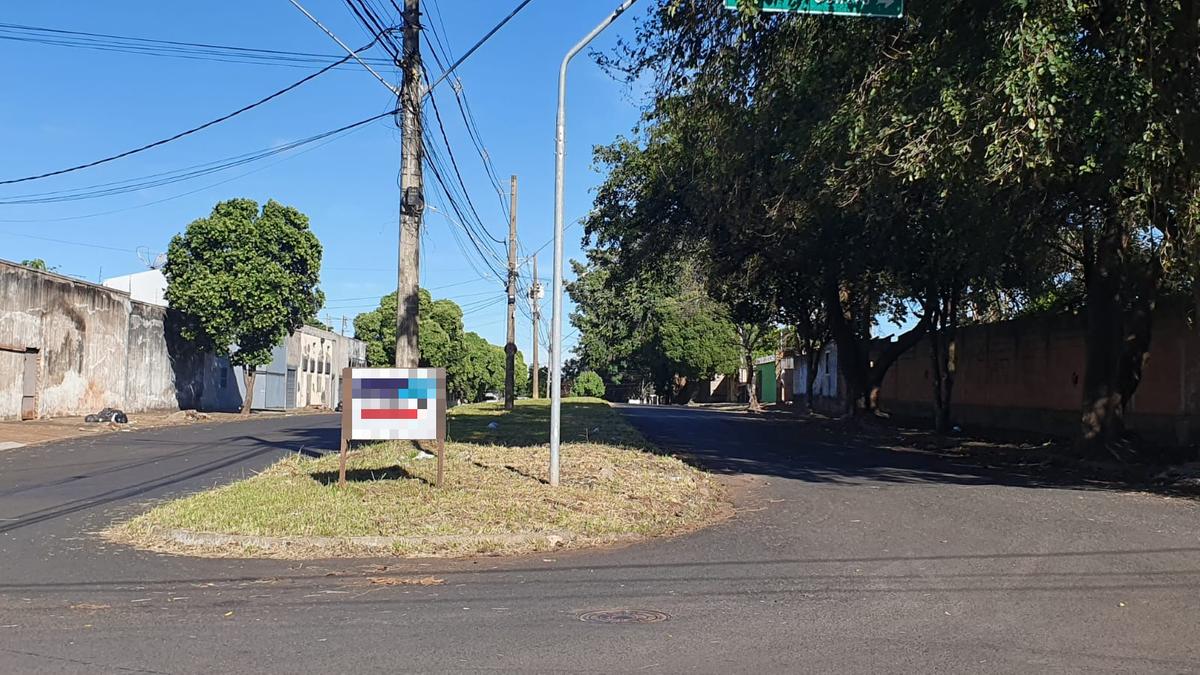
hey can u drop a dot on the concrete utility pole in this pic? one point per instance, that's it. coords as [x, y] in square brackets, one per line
[560, 155]
[535, 297]
[412, 196]
[510, 347]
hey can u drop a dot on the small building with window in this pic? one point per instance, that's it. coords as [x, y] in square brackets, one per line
[306, 370]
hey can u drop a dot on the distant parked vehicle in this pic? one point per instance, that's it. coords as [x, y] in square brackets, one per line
[491, 396]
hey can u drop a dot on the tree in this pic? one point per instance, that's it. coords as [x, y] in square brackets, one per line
[314, 322]
[659, 326]
[243, 280]
[439, 338]
[695, 340]
[614, 313]
[801, 307]
[481, 370]
[1099, 110]
[469, 360]
[38, 264]
[588, 383]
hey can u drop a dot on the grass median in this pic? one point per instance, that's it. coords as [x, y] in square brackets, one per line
[614, 487]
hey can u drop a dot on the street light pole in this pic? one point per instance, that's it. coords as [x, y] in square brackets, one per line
[560, 151]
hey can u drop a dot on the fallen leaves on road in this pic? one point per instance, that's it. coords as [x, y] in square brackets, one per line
[406, 581]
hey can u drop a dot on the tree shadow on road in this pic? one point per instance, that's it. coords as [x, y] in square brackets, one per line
[818, 450]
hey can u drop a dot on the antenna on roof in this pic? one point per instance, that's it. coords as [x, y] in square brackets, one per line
[152, 261]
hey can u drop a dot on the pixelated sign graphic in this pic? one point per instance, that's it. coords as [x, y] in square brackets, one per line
[396, 403]
[381, 404]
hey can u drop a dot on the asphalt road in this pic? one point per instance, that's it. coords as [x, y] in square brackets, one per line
[841, 558]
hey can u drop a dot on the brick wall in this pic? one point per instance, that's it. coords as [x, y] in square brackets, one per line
[1028, 374]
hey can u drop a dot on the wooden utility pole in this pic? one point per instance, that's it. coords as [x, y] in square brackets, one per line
[510, 348]
[412, 196]
[535, 295]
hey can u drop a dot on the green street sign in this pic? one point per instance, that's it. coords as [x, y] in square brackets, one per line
[891, 9]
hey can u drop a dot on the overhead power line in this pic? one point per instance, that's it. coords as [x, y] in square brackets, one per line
[168, 48]
[437, 114]
[479, 43]
[192, 130]
[464, 109]
[179, 175]
[325, 138]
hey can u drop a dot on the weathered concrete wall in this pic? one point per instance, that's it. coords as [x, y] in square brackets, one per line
[12, 372]
[97, 348]
[78, 329]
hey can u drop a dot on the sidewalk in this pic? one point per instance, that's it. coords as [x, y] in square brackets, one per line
[15, 433]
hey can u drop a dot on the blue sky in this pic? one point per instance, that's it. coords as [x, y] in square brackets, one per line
[64, 106]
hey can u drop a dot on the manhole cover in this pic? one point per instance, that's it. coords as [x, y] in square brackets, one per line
[624, 616]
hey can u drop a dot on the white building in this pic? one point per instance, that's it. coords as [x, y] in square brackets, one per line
[826, 384]
[305, 369]
[149, 287]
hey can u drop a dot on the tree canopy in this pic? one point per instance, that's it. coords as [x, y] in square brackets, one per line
[971, 161]
[638, 328]
[37, 264]
[243, 279]
[474, 367]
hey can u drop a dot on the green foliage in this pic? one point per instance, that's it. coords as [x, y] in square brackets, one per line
[37, 264]
[1005, 157]
[244, 279]
[481, 369]
[695, 337]
[314, 322]
[474, 367]
[649, 327]
[588, 383]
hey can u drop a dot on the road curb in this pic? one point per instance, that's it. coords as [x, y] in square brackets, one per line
[373, 543]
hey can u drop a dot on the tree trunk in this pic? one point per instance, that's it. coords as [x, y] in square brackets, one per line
[813, 359]
[751, 379]
[249, 373]
[748, 336]
[1121, 297]
[850, 362]
[1103, 407]
[686, 389]
[943, 330]
[864, 376]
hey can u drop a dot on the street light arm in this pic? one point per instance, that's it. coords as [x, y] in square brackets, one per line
[560, 149]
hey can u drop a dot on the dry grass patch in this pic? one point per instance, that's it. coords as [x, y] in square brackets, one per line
[614, 487]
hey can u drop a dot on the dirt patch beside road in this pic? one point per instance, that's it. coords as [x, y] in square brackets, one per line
[15, 433]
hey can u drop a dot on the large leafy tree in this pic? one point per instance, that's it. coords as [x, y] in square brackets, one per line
[440, 336]
[1098, 110]
[659, 327]
[1013, 150]
[243, 280]
[469, 360]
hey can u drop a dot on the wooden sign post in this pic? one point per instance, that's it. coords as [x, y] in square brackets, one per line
[393, 404]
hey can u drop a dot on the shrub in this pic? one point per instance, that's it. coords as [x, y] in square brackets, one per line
[588, 384]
